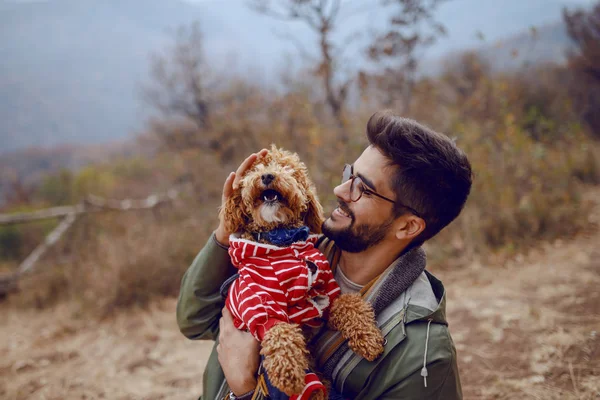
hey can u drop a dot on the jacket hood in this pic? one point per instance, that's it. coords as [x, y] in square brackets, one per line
[418, 313]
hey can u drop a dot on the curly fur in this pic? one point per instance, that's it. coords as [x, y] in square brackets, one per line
[245, 210]
[284, 348]
[286, 357]
[355, 320]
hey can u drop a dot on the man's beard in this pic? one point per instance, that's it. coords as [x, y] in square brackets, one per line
[356, 238]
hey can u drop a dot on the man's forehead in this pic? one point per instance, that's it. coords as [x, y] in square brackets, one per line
[374, 166]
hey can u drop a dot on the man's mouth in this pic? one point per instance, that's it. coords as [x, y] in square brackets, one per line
[271, 196]
[341, 211]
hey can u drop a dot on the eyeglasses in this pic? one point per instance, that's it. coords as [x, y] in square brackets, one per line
[358, 188]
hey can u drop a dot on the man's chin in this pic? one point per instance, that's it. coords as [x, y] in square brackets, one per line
[338, 233]
[333, 225]
[327, 228]
[354, 239]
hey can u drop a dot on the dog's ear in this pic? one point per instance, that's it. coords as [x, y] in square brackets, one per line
[232, 212]
[314, 214]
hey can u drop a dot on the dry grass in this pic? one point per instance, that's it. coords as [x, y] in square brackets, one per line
[115, 261]
[527, 329]
[530, 329]
[531, 168]
[135, 355]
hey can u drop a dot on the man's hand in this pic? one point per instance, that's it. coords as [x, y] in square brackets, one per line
[231, 183]
[238, 354]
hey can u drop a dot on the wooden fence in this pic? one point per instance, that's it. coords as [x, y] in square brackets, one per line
[68, 216]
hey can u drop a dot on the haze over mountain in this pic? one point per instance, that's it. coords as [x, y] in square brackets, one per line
[71, 69]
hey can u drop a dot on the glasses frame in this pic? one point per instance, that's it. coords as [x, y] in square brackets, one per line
[363, 189]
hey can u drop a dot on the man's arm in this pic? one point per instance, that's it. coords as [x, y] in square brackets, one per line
[200, 303]
[238, 355]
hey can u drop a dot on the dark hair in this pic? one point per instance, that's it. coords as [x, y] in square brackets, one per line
[433, 175]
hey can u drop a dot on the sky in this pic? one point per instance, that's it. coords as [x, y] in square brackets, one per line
[467, 21]
[101, 48]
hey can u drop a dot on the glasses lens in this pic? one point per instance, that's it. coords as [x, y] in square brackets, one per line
[355, 189]
[347, 173]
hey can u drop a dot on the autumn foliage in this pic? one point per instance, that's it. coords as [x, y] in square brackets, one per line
[529, 136]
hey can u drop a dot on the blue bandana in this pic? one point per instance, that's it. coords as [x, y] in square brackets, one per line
[283, 237]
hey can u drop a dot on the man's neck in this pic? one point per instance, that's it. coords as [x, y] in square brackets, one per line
[362, 268]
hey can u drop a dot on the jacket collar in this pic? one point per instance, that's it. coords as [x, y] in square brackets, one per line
[394, 281]
[389, 298]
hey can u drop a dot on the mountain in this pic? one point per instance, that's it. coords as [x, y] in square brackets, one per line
[71, 69]
[545, 44]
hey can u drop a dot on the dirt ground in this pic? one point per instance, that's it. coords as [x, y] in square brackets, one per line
[529, 329]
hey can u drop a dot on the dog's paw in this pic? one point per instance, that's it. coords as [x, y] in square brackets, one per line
[286, 358]
[318, 395]
[285, 375]
[355, 320]
[367, 343]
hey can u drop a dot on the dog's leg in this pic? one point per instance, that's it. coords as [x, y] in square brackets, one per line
[355, 320]
[286, 357]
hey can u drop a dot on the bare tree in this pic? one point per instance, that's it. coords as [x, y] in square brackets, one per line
[583, 27]
[181, 79]
[321, 16]
[412, 29]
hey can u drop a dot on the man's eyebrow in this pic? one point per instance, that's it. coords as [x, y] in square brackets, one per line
[365, 180]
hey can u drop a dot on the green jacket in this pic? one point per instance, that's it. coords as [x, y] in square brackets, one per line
[413, 334]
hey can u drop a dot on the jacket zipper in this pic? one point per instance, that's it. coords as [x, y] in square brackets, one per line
[221, 393]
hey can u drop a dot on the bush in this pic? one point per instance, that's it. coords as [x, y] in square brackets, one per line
[111, 261]
[18, 241]
[524, 190]
[530, 155]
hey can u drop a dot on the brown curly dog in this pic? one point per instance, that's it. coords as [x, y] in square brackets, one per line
[284, 281]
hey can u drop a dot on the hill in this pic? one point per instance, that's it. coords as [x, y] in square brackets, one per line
[545, 44]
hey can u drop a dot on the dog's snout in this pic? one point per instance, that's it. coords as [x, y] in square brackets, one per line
[267, 178]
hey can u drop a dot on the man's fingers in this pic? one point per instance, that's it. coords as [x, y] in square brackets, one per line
[225, 322]
[243, 168]
[228, 185]
[226, 315]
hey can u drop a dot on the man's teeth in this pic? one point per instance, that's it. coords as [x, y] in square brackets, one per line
[343, 212]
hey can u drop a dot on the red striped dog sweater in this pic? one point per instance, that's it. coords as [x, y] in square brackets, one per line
[276, 284]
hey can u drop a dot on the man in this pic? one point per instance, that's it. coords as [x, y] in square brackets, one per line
[407, 185]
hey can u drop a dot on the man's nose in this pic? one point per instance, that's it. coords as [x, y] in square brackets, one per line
[267, 178]
[342, 191]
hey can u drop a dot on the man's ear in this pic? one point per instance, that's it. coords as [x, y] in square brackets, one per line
[410, 227]
[232, 212]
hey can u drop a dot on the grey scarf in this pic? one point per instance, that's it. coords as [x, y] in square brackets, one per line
[404, 271]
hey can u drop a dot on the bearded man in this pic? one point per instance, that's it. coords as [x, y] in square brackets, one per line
[406, 186]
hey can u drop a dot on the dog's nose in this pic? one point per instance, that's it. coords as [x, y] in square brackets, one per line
[267, 178]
